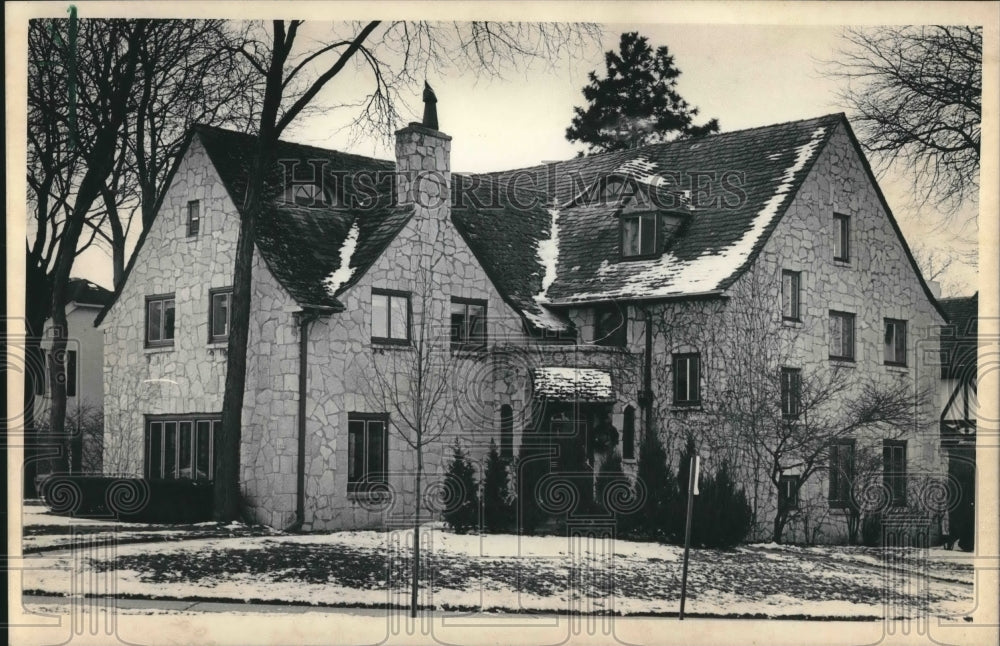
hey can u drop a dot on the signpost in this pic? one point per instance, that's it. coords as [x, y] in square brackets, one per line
[692, 492]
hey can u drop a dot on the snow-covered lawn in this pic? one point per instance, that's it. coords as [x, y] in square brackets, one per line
[500, 572]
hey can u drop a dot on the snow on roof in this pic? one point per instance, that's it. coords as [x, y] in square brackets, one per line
[340, 276]
[573, 384]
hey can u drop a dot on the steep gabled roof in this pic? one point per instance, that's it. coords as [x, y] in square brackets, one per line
[754, 174]
[960, 337]
[85, 292]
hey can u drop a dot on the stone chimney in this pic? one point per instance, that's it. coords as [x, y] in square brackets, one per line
[423, 163]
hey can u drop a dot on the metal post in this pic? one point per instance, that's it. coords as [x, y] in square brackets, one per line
[692, 484]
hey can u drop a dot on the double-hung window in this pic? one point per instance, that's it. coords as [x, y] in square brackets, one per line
[791, 305]
[894, 470]
[390, 316]
[841, 237]
[895, 342]
[219, 308]
[788, 492]
[841, 473]
[841, 336]
[468, 324]
[687, 377]
[160, 321]
[367, 451]
[791, 392]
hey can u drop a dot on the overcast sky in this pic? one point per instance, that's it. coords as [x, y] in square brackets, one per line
[744, 75]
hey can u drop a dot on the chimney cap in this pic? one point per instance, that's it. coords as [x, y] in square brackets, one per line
[430, 119]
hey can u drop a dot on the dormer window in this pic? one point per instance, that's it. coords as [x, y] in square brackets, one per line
[307, 194]
[639, 235]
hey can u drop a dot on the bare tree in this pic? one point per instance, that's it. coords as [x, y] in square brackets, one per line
[394, 57]
[767, 421]
[915, 93]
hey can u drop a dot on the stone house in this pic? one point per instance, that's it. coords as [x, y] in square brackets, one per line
[588, 301]
[84, 366]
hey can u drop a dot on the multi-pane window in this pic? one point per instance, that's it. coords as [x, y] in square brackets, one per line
[895, 342]
[181, 447]
[468, 323]
[841, 473]
[193, 217]
[220, 305]
[638, 235]
[791, 283]
[159, 320]
[506, 431]
[791, 392]
[687, 375]
[841, 335]
[610, 326]
[367, 451]
[788, 492]
[841, 237]
[390, 316]
[894, 470]
[628, 434]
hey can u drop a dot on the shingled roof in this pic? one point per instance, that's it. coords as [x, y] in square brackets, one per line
[960, 337]
[302, 245]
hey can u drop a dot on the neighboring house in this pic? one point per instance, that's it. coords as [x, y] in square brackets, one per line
[568, 296]
[84, 366]
[959, 350]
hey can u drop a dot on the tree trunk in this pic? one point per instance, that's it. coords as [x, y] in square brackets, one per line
[415, 575]
[38, 300]
[779, 526]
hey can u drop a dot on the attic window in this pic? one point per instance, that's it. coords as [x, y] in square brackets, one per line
[639, 235]
[307, 194]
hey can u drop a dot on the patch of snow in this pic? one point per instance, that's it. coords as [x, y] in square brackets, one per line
[548, 256]
[589, 383]
[668, 275]
[339, 277]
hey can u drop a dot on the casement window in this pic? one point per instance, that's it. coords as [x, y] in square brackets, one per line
[788, 492]
[628, 434]
[895, 342]
[193, 218]
[791, 393]
[687, 376]
[468, 324]
[894, 470]
[791, 293]
[841, 473]
[181, 446]
[367, 451]
[69, 377]
[159, 321]
[506, 431]
[841, 237]
[611, 326]
[639, 235]
[841, 336]
[390, 316]
[219, 313]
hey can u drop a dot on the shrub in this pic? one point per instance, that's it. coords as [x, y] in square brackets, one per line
[613, 490]
[128, 499]
[498, 508]
[721, 516]
[462, 505]
[532, 465]
[871, 530]
[656, 488]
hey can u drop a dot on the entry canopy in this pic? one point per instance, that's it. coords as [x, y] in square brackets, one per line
[573, 384]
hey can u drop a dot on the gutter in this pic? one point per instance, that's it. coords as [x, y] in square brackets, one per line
[305, 317]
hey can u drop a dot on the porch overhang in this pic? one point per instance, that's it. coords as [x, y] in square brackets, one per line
[589, 385]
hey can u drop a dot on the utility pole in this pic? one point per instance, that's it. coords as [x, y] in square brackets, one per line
[692, 492]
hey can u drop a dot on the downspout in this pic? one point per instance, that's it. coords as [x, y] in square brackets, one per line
[646, 396]
[305, 317]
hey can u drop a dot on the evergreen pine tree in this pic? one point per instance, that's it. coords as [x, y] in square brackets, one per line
[613, 489]
[462, 507]
[498, 511]
[722, 513]
[636, 103]
[657, 489]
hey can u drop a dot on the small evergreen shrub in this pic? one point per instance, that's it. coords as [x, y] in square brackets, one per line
[655, 489]
[462, 505]
[498, 508]
[532, 464]
[721, 516]
[614, 490]
[871, 530]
